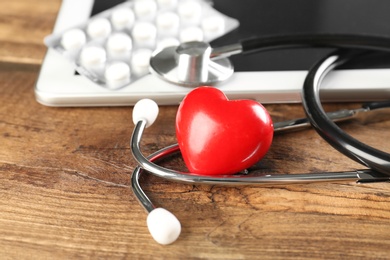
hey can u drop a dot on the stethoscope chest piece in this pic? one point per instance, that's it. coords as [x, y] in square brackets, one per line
[190, 64]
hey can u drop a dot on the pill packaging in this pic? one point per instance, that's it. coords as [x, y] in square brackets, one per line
[113, 48]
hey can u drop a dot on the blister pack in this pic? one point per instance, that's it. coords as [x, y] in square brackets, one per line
[113, 48]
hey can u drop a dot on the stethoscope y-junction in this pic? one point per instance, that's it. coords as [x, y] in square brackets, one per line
[162, 224]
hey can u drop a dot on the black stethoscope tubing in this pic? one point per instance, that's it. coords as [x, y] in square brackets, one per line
[352, 148]
[325, 40]
[366, 155]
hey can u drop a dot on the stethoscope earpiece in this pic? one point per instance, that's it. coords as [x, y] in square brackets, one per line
[145, 109]
[164, 227]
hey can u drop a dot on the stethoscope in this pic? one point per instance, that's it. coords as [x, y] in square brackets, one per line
[194, 57]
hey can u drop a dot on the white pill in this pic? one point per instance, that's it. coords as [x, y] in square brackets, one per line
[73, 39]
[117, 74]
[144, 33]
[164, 227]
[168, 23]
[213, 26]
[99, 28]
[119, 43]
[140, 61]
[93, 57]
[191, 34]
[122, 18]
[167, 4]
[167, 42]
[190, 12]
[145, 9]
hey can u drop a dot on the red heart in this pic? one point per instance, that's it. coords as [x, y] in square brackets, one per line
[219, 136]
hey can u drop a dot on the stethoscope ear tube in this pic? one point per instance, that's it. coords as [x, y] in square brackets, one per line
[373, 158]
[164, 226]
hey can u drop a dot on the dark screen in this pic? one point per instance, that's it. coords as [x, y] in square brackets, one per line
[279, 17]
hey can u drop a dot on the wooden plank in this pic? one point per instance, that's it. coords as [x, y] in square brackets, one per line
[23, 25]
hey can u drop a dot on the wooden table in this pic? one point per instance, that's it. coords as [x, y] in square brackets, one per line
[65, 179]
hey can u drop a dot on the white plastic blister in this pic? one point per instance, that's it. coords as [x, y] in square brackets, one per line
[113, 48]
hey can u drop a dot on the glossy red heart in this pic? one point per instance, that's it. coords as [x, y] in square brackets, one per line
[221, 136]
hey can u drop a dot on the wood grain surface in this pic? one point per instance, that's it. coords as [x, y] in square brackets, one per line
[65, 179]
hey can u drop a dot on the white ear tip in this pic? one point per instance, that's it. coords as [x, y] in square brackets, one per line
[145, 109]
[164, 227]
